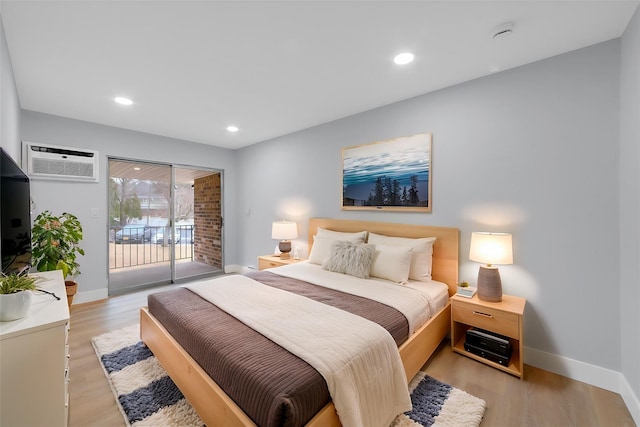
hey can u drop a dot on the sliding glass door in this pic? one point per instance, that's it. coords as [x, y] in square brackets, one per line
[164, 224]
[198, 222]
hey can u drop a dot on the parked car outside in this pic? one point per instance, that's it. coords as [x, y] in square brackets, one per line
[186, 232]
[157, 235]
[133, 233]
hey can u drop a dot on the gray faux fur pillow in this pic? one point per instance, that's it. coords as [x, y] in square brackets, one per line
[350, 258]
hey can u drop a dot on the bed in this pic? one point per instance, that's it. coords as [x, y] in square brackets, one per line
[215, 406]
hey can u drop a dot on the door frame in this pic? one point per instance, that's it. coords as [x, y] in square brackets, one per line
[172, 184]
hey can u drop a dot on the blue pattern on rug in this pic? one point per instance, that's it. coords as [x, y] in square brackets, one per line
[160, 399]
[146, 401]
[427, 400]
[126, 356]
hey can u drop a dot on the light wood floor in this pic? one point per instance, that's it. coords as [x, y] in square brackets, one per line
[543, 399]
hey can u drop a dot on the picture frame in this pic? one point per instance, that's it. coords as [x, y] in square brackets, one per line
[389, 175]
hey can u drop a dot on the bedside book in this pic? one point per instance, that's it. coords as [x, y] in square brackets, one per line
[467, 292]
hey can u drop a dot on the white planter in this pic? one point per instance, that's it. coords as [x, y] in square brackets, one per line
[14, 306]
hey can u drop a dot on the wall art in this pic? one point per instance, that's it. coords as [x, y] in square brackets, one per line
[389, 175]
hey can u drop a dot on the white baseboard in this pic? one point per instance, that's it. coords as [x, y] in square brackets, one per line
[90, 296]
[574, 369]
[630, 399]
[235, 268]
[580, 371]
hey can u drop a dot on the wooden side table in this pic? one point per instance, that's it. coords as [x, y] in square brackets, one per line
[270, 261]
[504, 318]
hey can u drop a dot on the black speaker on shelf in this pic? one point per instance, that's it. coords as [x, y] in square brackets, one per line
[491, 341]
[489, 345]
[486, 354]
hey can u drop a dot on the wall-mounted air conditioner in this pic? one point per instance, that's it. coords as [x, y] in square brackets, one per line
[44, 161]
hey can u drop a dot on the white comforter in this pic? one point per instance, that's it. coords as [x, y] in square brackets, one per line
[416, 306]
[360, 363]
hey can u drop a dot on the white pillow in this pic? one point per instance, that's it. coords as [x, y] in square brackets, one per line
[320, 250]
[422, 250]
[350, 258]
[392, 263]
[358, 237]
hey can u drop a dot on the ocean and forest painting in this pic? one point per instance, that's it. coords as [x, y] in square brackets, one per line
[394, 174]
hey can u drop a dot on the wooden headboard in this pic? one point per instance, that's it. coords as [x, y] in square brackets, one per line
[445, 248]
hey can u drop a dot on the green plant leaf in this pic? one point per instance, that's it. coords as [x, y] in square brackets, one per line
[55, 242]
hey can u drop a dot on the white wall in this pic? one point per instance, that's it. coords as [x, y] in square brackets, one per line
[533, 151]
[9, 103]
[630, 210]
[80, 198]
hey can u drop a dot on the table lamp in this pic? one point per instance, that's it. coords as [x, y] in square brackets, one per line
[490, 249]
[284, 231]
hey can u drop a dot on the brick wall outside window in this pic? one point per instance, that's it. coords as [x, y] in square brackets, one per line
[207, 214]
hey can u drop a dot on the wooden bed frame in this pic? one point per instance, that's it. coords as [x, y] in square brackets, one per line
[217, 409]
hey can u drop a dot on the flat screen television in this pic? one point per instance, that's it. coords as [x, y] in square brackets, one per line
[15, 213]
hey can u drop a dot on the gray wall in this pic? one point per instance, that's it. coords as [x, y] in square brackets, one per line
[630, 202]
[9, 103]
[80, 198]
[532, 151]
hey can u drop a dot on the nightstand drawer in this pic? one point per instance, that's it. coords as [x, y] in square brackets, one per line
[498, 321]
[263, 264]
[270, 261]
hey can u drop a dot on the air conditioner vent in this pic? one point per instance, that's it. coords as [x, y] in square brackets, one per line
[60, 163]
[62, 167]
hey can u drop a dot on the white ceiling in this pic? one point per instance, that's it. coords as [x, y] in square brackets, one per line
[271, 68]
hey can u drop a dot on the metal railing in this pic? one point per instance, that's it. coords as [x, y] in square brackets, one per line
[135, 245]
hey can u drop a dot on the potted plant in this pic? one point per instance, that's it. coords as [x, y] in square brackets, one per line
[54, 242]
[15, 299]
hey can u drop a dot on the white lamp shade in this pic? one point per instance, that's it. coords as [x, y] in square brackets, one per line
[284, 230]
[491, 248]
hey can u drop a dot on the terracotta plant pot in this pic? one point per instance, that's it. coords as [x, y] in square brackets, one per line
[72, 288]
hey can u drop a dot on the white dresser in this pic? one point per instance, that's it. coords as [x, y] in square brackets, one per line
[34, 361]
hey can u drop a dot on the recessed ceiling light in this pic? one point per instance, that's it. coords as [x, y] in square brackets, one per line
[123, 101]
[232, 128]
[136, 168]
[403, 58]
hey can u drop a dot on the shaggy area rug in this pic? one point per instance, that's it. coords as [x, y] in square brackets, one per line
[146, 396]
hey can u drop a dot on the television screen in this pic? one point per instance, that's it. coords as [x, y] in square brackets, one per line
[15, 213]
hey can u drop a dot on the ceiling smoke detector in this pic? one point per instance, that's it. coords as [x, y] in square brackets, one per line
[503, 30]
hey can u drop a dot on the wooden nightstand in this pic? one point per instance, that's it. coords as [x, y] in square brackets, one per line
[504, 318]
[270, 261]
